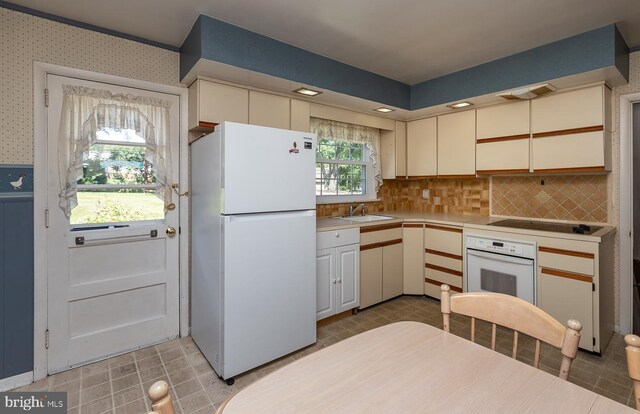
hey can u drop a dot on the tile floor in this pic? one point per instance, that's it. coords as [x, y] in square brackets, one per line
[119, 384]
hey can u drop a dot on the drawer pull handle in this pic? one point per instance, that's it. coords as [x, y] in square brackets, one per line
[337, 234]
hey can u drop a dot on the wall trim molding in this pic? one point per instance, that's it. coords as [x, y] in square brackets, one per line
[625, 230]
[76, 23]
[16, 381]
[40, 71]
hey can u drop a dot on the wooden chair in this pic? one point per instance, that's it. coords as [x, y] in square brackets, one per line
[160, 399]
[518, 315]
[633, 364]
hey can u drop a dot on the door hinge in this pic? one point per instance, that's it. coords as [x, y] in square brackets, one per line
[594, 341]
[593, 287]
[46, 218]
[46, 339]
[179, 230]
[46, 97]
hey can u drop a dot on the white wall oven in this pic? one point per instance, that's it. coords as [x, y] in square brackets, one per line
[501, 266]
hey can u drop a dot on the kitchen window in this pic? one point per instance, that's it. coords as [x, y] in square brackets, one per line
[346, 160]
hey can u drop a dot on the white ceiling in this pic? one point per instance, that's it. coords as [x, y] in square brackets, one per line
[407, 40]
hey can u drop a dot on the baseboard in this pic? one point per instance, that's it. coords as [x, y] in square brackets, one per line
[16, 381]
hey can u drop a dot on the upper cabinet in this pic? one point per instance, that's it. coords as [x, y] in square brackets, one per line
[422, 148]
[393, 151]
[211, 103]
[571, 131]
[269, 110]
[300, 113]
[502, 138]
[457, 144]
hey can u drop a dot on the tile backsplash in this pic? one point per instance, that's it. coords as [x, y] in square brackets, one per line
[464, 196]
[562, 197]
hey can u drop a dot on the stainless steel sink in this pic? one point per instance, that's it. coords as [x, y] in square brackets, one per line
[368, 217]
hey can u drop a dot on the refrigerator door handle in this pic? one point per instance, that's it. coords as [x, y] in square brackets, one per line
[270, 216]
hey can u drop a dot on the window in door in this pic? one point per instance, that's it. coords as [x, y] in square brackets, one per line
[117, 184]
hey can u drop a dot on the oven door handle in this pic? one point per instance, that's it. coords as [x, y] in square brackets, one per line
[500, 257]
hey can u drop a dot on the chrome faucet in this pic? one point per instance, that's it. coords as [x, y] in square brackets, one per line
[352, 209]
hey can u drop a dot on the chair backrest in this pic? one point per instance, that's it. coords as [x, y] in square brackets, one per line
[518, 315]
[633, 364]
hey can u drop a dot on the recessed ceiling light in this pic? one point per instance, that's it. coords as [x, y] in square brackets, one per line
[307, 92]
[459, 105]
[384, 110]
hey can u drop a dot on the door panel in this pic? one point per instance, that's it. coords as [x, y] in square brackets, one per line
[391, 271]
[111, 289]
[370, 277]
[252, 152]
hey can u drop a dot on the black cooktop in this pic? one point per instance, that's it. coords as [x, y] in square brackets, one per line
[547, 226]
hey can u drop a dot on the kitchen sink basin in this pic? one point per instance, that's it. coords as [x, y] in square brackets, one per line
[368, 217]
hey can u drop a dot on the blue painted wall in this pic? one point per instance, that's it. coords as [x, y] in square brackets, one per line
[16, 271]
[223, 42]
[218, 41]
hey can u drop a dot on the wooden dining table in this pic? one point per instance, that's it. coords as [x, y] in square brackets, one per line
[411, 367]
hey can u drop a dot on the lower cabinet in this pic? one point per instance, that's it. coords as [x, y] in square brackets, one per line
[413, 258]
[442, 258]
[337, 272]
[381, 275]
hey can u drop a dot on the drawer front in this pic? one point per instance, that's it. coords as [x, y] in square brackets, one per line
[442, 261]
[378, 236]
[443, 276]
[335, 238]
[443, 239]
[568, 260]
[432, 288]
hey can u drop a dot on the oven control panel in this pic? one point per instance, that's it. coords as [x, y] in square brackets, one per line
[512, 248]
[498, 246]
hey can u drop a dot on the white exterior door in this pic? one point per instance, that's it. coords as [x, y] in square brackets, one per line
[112, 269]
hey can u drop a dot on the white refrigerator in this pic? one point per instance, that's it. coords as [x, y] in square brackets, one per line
[253, 219]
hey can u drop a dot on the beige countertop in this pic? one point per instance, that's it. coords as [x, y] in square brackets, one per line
[469, 222]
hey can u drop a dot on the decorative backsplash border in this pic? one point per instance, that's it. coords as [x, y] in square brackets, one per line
[16, 180]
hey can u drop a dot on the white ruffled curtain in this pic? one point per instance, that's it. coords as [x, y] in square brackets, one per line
[85, 111]
[360, 134]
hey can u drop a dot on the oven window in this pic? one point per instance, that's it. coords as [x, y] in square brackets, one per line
[492, 281]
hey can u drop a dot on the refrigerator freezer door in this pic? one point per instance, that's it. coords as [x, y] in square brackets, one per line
[269, 288]
[267, 169]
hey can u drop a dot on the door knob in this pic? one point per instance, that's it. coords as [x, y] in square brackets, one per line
[171, 231]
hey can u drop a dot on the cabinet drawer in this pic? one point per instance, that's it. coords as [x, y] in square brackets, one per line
[442, 277]
[378, 234]
[443, 261]
[443, 239]
[568, 260]
[335, 238]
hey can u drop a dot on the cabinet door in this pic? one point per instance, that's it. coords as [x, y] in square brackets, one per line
[217, 103]
[300, 115]
[391, 271]
[325, 283]
[401, 149]
[578, 152]
[565, 299]
[370, 277]
[457, 144]
[388, 154]
[413, 259]
[502, 138]
[269, 110]
[568, 110]
[422, 148]
[348, 277]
